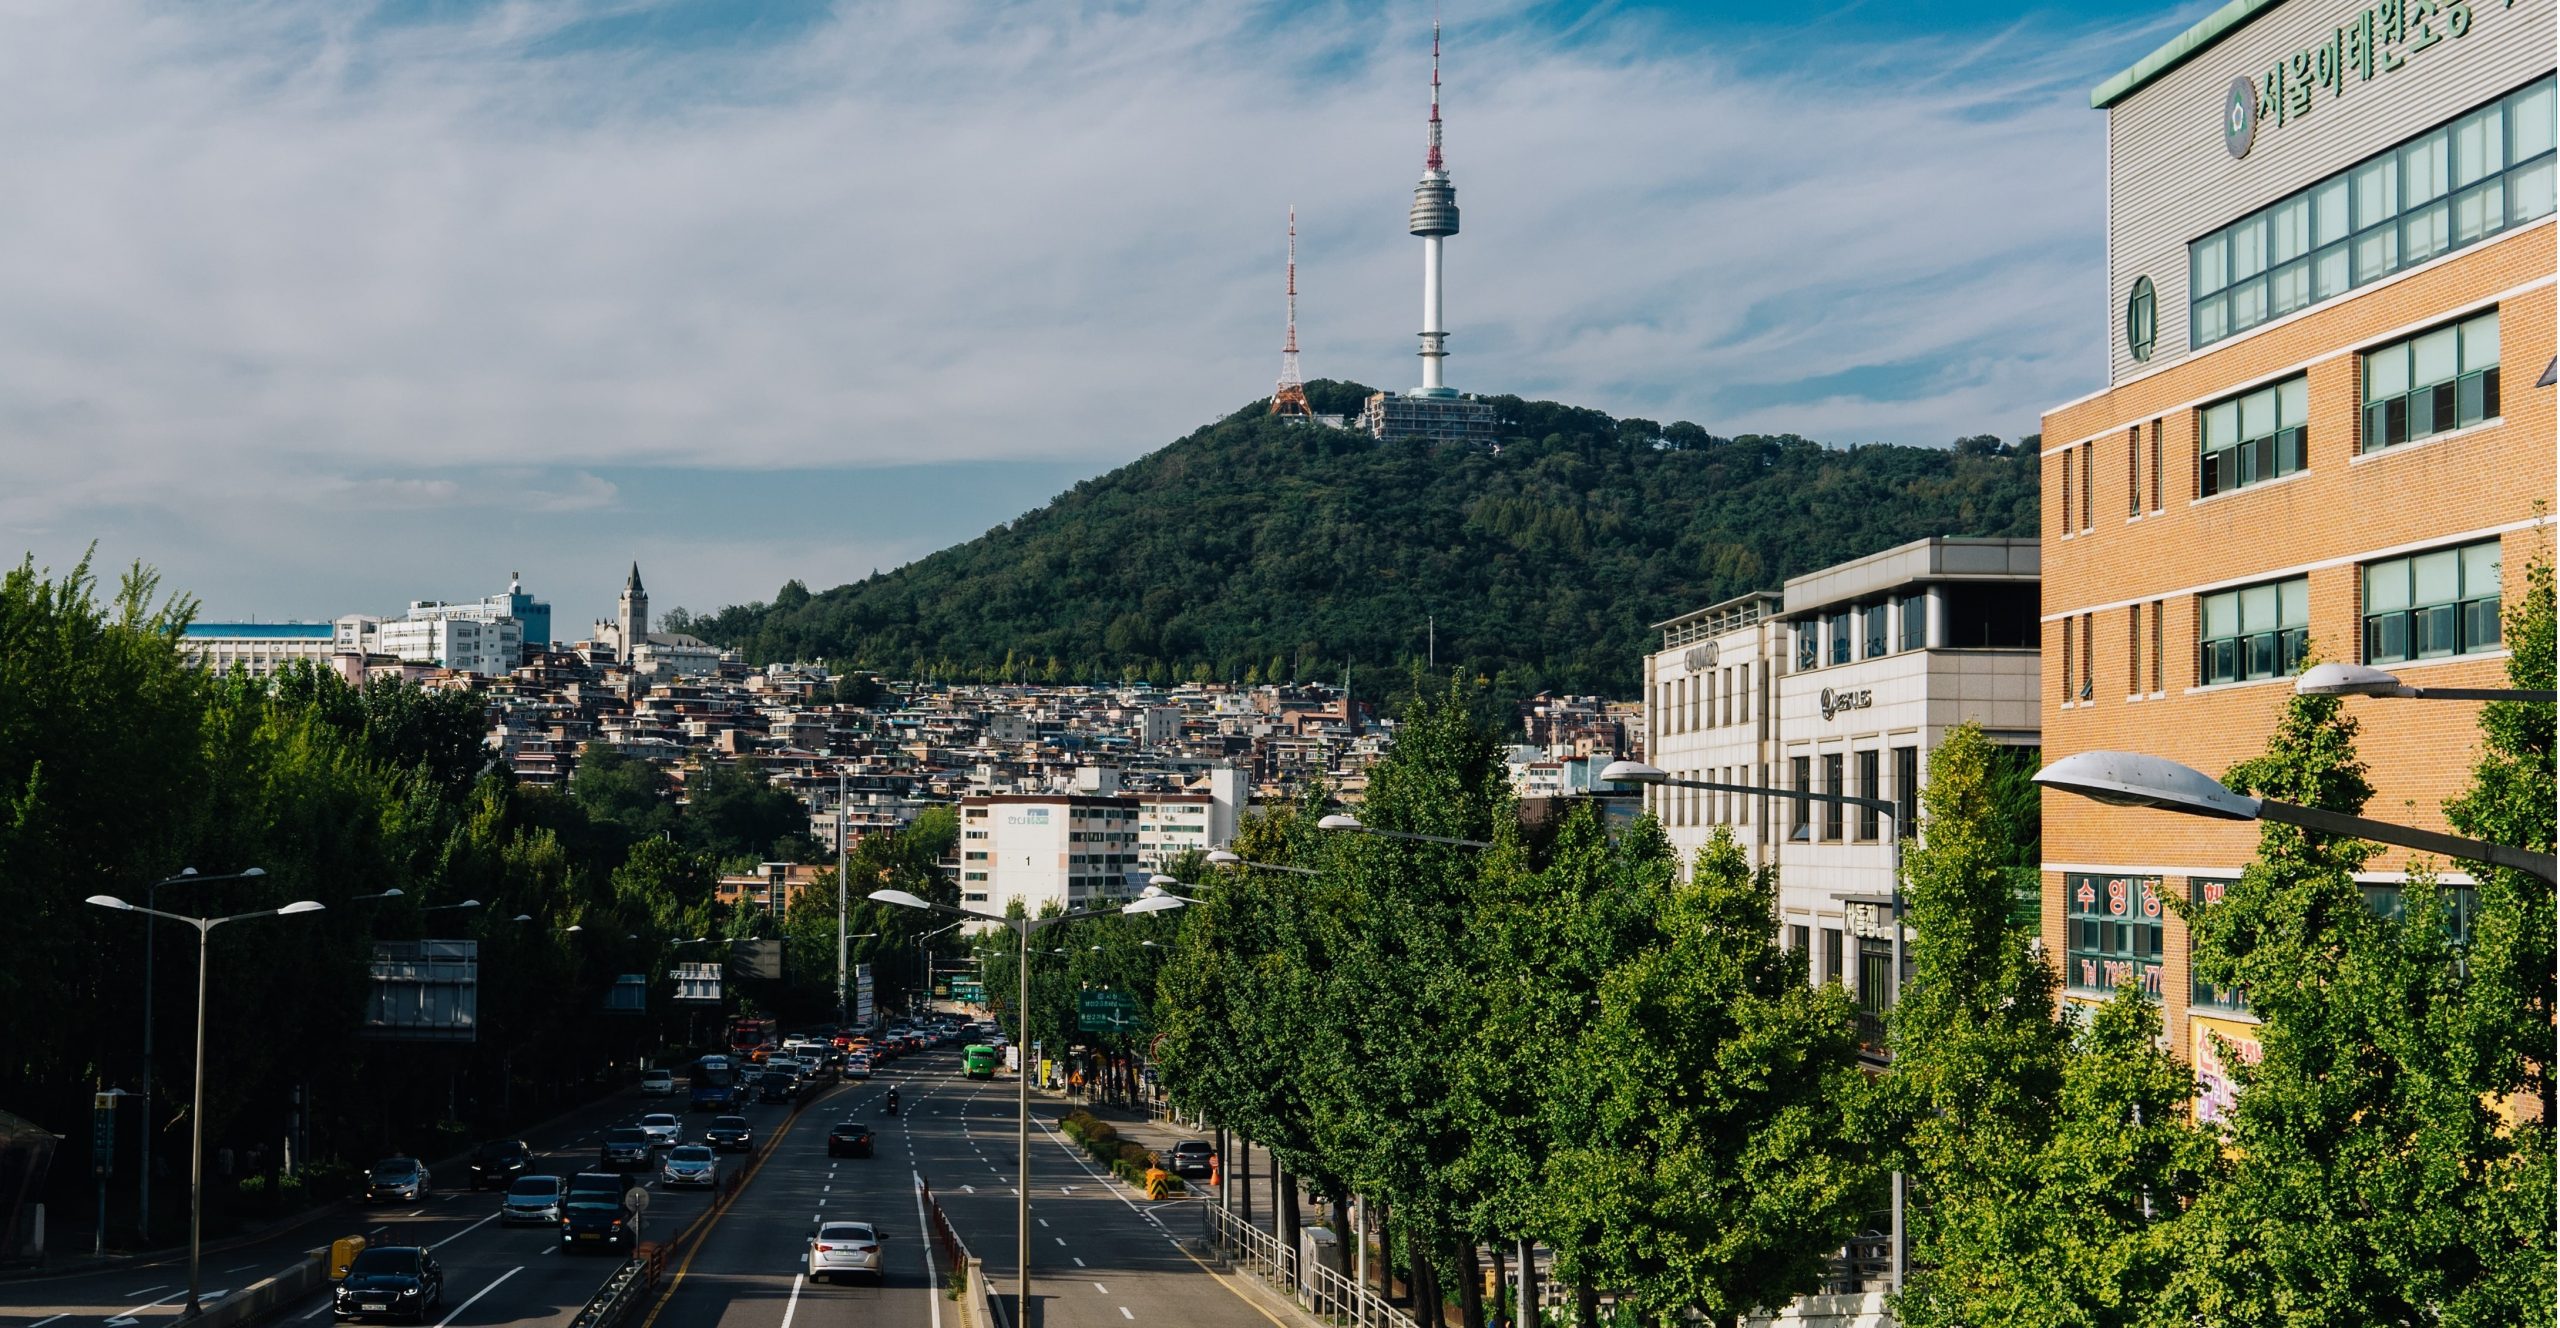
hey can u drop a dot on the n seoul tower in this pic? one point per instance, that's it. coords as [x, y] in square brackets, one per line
[1435, 215]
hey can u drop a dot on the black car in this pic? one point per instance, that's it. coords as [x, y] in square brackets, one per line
[597, 1213]
[496, 1164]
[730, 1134]
[849, 1139]
[626, 1148]
[389, 1281]
[776, 1086]
[1190, 1157]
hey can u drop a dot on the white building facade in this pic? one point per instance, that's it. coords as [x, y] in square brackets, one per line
[1708, 716]
[467, 638]
[258, 648]
[1046, 849]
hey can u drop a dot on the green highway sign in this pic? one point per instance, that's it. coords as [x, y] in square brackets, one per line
[1106, 1012]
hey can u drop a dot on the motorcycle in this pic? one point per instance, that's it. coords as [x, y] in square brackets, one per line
[889, 1104]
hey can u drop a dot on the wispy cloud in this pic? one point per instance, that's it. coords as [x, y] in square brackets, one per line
[253, 243]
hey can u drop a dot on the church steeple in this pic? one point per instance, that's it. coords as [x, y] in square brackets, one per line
[633, 625]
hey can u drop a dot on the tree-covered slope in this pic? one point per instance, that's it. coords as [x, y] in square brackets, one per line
[1254, 544]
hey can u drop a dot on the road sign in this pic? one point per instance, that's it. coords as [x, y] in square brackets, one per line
[102, 1138]
[1106, 1012]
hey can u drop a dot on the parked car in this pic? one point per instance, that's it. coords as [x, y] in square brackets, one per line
[658, 1083]
[839, 1249]
[730, 1134]
[391, 1281]
[1191, 1157]
[662, 1128]
[850, 1138]
[496, 1164]
[398, 1178]
[626, 1148]
[598, 1212]
[690, 1164]
[532, 1199]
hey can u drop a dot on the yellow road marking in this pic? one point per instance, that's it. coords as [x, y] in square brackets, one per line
[718, 1209]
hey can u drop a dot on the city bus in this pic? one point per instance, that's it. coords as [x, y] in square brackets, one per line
[978, 1061]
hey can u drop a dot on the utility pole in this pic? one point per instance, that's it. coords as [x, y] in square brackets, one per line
[840, 898]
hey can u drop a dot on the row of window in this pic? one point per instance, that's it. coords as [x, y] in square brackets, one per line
[1711, 698]
[1863, 631]
[1687, 806]
[2427, 605]
[2456, 184]
[2116, 928]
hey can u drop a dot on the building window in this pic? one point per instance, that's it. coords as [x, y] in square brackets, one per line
[1808, 646]
[2067, 660]
[2115, 932]
[2141, 319]
[2133, 472]
[2433, 383]
[1914, 612]
[2443, 602]
[1831, 783]
[1800, 939]
[1868, 762]
[1831, 954]
[1871, 617]
[2252, 438]
[1875, 975]
[2206, 996]
[1800, 825]
[2133, 650]
[1689, 723]
[2088, 483]
[1839, 629]
[2255, 632]
[2088, 657]
[1906, 790]
[2453, 185]
[2066, 491]
[2159, 615]
[2155, 465]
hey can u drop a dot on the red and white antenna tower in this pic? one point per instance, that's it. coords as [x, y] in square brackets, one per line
[1290, 398]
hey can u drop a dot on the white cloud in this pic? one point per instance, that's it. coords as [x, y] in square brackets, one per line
[252, 244]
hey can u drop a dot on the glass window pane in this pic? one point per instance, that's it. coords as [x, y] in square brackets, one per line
[2289, 287]
[2377, 254]
[2221, 425]
[2529, 192]
[2386, 373]
[2212, 319]
[2257, 414]
[2258, 609]
[2222, 614]
[2438, 576]
[2480, 342]
[2422, 169]
[2210, 264]
[2479, 146]
[2293, 402]
[2433, 356]
[2376, 186]
[2480, 570]
[2329, 272]
[2329, 212]
[2386, 586]
[2529, 122]
[2294, 603]
[2425, 233]
[2290, 222]
[2249, 248]
[2248, 304]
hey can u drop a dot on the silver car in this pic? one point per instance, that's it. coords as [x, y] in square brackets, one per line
[690, 1164]
[843, 1248]
[531, 1199]
[662, 1128]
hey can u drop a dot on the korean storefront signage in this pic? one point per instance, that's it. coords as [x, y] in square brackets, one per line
[1833, 702]
[2116, 925]
[2373, 40]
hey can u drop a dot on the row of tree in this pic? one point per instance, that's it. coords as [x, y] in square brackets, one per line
[1582, 1044]
[123, 762]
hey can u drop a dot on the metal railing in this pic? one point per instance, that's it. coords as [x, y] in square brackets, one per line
[1328, 1294]
[938, 1229]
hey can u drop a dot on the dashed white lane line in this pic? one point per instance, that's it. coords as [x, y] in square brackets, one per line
[1060, 1239]
[325, 1307]
[1041, 1220]
[464, 1232]
[40, 1323]
[1101, 1288]
[457, 1312]
[241, 1269]
[420, 1213]
[149, 1289]
[136, 1310]
[1079, 1262]
[1125, 1314]
[793, 1307]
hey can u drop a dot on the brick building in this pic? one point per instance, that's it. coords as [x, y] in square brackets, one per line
[2330, 263]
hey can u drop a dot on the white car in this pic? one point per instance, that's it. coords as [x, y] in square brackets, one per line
[857, 1067]
[662, 1129]
[841, 1248]
[658, 1083]
[534, 1199]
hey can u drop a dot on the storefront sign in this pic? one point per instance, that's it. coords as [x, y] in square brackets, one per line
[2219, 1048]
[1700, 658]
[1870, 921]
[1835, 702]
[2374, 40]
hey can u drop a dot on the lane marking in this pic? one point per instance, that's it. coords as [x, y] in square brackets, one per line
[1060, 1239]
[464, 1232]
[324, 1308]
[420, 1213]
[40, 1323]
[148, 1290]
[1079, 1262]
[1101, 1288]
[241, 1269]
[793, 1307]
[161, 1301]
[1125, 1314]
[457, 1313]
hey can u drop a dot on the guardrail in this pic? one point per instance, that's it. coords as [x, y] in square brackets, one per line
[1327, 1294]
[938, 1228]
[624, 1291]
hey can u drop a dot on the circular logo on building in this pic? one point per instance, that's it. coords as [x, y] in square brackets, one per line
[2240, 116]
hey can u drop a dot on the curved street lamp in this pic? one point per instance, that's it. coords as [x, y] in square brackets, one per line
[195, 1118]
[2135, 779]
[151, 1007]
[2366, 680]
[1352, 824]
[1223, 858]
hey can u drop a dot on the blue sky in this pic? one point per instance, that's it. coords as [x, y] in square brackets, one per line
[321, 306]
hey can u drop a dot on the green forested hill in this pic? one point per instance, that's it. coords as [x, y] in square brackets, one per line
[1254, 546]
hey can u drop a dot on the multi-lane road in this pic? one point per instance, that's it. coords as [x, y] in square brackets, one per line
[1102, 1257]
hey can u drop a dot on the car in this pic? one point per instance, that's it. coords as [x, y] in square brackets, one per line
[390, 1281]
[690, 1164]
[626, 1148]
[730, 1134]
[839, 1249]
[532, 1199]
[850, 1138]
[857, 1067]
[776, 1086]
[597, 1212]
[658, 1083]
[398, 1178]
[496, 1164]
[662, 1127]
[1191, 1157]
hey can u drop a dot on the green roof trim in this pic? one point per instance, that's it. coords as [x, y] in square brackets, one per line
[2184, 47]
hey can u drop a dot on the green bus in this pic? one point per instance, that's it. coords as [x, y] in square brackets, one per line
[979, 1061]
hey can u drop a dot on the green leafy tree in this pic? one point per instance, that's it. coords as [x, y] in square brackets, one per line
[1722, 1168]
[623, 791]
[733, 811]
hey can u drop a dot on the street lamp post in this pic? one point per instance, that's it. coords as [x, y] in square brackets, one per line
[2133, 779]
[841, 938]
[1222, 858]
[1636, 772]
[150, 1007]
[195, 1166]
[2366, 680]
[1022, 928]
